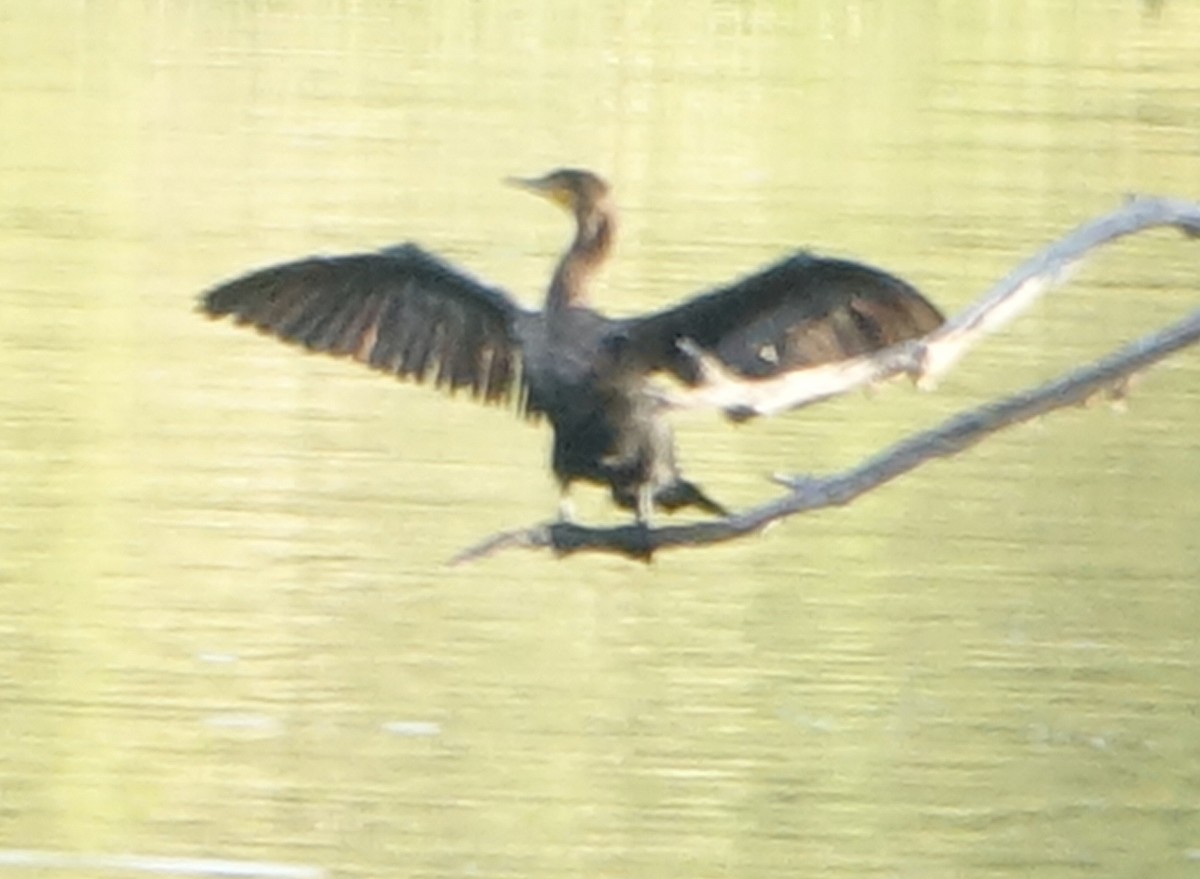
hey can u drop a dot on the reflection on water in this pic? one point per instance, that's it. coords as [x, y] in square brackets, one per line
[42, 861]
[227, 632]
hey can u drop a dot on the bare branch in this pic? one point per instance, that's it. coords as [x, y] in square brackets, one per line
[927, 359]
[1016, 292]
[805, 493]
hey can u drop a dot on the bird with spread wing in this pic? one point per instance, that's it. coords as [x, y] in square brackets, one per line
[404, 311]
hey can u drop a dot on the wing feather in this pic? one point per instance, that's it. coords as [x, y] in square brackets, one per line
[400, 310]
[802, 311]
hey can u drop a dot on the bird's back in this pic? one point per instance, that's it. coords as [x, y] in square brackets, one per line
[564, 355]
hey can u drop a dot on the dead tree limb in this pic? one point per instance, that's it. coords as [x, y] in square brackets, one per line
[924, 359]
[807, 493]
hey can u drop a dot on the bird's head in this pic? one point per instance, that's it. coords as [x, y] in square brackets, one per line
[571, 188]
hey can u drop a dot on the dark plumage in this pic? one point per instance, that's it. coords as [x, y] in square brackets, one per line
[404, 311]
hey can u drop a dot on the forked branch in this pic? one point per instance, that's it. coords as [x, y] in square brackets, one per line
[925, 360]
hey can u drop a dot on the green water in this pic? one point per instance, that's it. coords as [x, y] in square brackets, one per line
[226, 630]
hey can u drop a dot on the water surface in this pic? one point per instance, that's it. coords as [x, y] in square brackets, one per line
[227, 633]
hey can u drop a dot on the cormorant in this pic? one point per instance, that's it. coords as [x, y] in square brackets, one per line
[405, 311]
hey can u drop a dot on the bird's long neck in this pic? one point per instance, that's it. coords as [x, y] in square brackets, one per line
[595, 230]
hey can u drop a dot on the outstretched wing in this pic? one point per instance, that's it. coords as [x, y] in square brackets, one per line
[400, 310]
[802, 311]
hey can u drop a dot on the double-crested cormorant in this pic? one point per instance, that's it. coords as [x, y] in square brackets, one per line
[404, 311]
